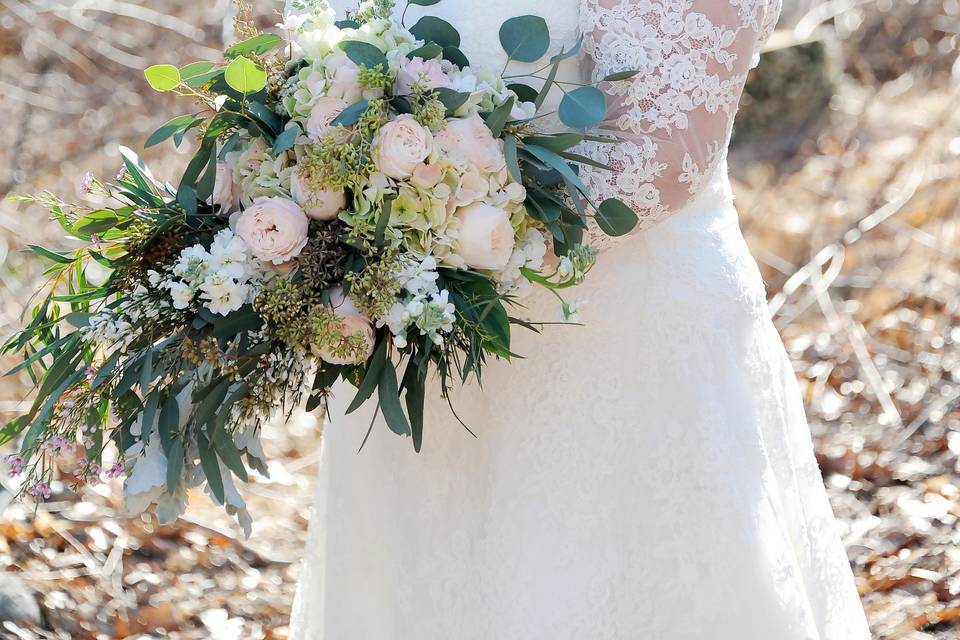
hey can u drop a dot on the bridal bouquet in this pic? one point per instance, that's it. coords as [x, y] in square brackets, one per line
[363, 205]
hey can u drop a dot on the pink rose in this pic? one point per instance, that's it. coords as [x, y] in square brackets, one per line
[469, 141]
[426, 74]
[275, 229]
[344, 77]
[401, 146]
[324, 111]
[319, 204]
[352, 323]
[486, 236]
[226, 192]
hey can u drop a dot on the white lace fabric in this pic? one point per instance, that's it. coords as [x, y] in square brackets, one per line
[676, 115]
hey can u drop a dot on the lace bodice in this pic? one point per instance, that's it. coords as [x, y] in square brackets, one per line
[675, 116]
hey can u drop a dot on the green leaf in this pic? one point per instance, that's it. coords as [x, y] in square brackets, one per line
[615, 218]
[525, 93]
[350, 115]
[257, 45]
[415, 384]
[211, 468]
[547, 84]
[241, 320]
[194, 69]
[364, 54]
[499, 117]
[227, 450]
[568, 53]
[525, 38]
[245, 76]
[78, 319]
[371, 377]
[162, 77]
[429, 51]
[174, 466]
[433, 29]
[451, 99]
[146, 372]
[13, 428]
[423, 3]
[559, 142]
[106, 369]
[346, 24]
[169, 423]
[456, 56]
[96, 222]
[510, 153]
[583, 108]
[557, 163]
[171, 128]
[49, 255]
[621, 75]
[149, 416]
[389, 393]
[382, 222]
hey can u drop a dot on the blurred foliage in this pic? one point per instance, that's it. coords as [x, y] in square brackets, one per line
[847, 174]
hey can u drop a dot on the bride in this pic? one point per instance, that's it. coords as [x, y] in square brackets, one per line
[649, 475]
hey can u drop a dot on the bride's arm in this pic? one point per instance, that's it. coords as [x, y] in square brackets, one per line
[676, 115]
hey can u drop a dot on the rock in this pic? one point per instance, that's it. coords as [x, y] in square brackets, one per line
[17, 602]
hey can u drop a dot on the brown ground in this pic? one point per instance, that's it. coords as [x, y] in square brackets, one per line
[851, 210]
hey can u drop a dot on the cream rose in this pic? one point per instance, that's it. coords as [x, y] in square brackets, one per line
[275, 229]
[469, 141]
[486, 236]
[319, 204]
[352, 323]
[401, 146]
[226, 192]
[323, 112]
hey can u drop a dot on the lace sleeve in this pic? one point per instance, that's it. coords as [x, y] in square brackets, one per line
[676, 115]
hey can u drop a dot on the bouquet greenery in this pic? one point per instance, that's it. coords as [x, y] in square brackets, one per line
[363, 206]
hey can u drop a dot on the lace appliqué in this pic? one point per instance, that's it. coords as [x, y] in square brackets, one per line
[676, 115]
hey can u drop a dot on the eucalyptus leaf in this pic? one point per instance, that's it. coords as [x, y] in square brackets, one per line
[433, 29]
[582, 108]
[423, 3]
[525, 38]
[245, 76]
[615, 218]
[389, 394]
[371, 377]
[364, 54]
[525, 93]
[351, 114]
[621, 75]
[174, 466]
[499, 117]
[510, 154]
[162, 77]
[180, 124]
[286, 140]
[257, 45]
[456, 56]
[211, 468]
[429, 51]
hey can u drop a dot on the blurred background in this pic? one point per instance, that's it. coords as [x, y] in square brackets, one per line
[847, 172]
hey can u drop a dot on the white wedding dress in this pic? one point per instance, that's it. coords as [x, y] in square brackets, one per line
[648, 476]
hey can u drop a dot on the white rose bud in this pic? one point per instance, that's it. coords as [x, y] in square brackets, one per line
[401, 146]
[319, 204]
[486, 236]
[275, 229]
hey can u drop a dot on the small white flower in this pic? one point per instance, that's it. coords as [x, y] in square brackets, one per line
[181, 293]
